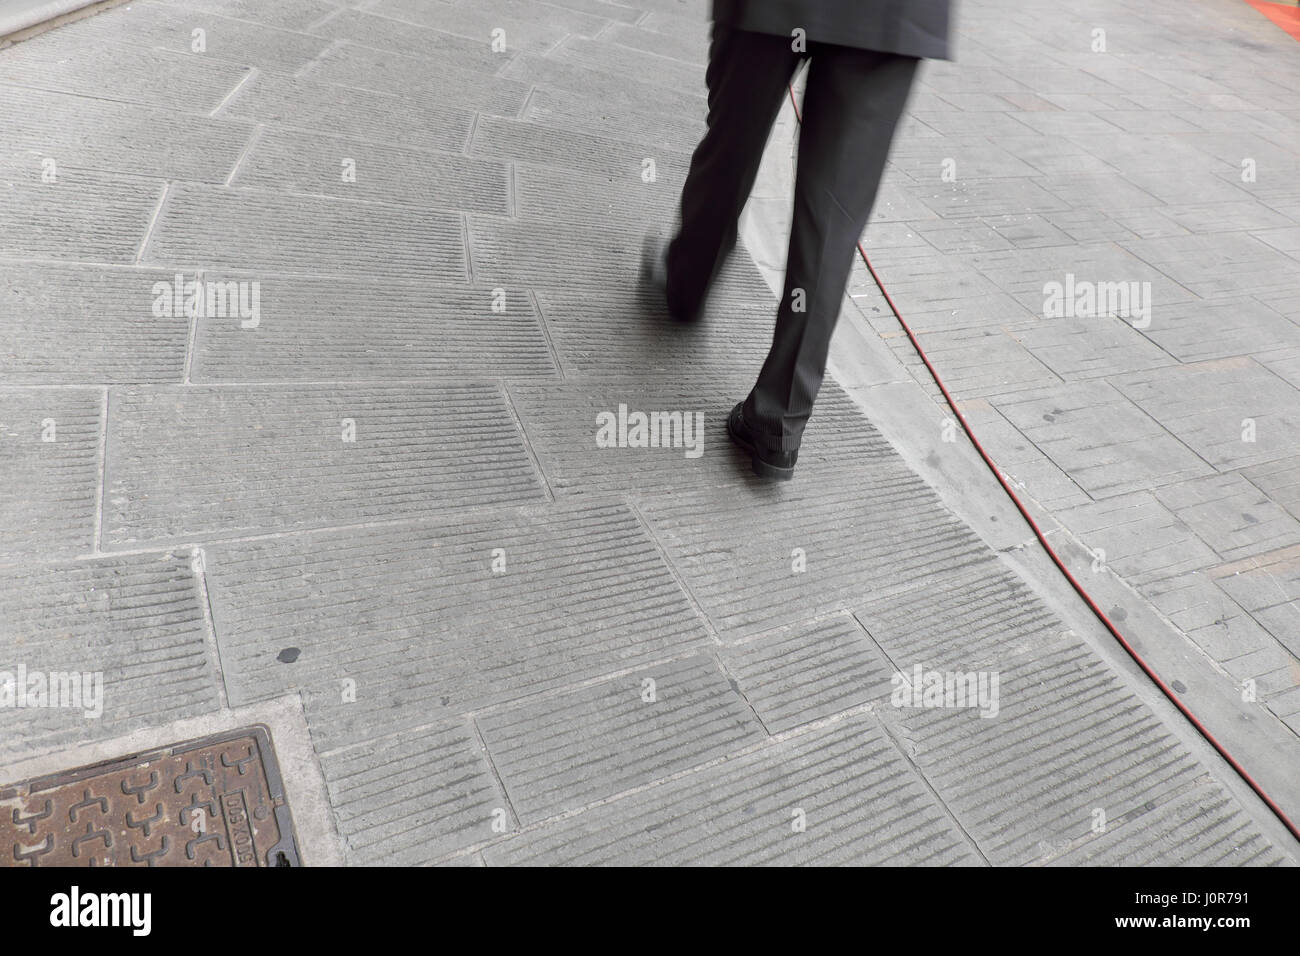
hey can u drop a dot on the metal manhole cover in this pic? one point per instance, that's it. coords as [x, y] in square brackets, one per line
[217, 801]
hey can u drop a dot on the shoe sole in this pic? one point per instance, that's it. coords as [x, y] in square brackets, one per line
[761, 468]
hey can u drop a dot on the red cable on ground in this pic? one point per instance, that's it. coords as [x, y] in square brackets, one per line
[1056, 559]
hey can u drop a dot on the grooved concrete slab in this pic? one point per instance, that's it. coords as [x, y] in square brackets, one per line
[569, 77]
[534, 145]
[130, 628]
[418, 624]
[317, 329]
[526, 26]
[87, 216]
[265, 233]
[370, 115]
[49, 468]
[1066, 738]
[85, 132]
[75, 325]
[823, 543]
[223, 39]
[350, 65]
[581, 746]
[268, 458]
[583, 448]
[857, 799]
[288, 14]
[809, 671]
[114, 71]
[399, 36]
[292, 161]
[409, 798]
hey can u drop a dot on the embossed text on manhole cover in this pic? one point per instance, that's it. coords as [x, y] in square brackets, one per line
[218, 801]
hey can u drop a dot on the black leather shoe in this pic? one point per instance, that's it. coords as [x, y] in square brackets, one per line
[654, 274]
[773, 465]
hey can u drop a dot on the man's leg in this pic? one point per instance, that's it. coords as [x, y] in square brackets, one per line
[852, 104]
[747, 76]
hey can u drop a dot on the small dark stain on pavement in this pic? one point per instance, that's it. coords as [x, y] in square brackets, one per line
[288, 655]
[1249, 519]
[1117, 614]
[1179, 686]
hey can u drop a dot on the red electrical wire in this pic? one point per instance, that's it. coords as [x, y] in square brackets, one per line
[1056, 559]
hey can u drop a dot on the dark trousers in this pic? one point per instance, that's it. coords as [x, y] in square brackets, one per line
[852, 104]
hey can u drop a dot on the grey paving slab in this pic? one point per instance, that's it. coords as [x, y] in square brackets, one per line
[1197, 330]
[269, 458]
[565, 76]
[558, 195]
[130, 628]
[375, 116]
[1218, 266]
[526, 26]
[586, 441]
[1231, 515]
[1207, 406]
[599, 257]
[1268, 586]
[128, 74]
[1280, 480]
[804, 556]
[83, 215]
[1105, 442]
[81, 325]
[223, 39]
[400, 625]
[579, 747]
[259, 231]
[334, 330]
[1076, 348]
[311, 163]
[83, 132]
[592, 113]
[408, 799]
[49, 470]
[534, 145]
[1067, 738]
[383, 33]
[361, 67]
[809, 671]
[857, 799]
[288, 14]
[981, 361]
[648, 36]
[646, 68]
[1139, 537]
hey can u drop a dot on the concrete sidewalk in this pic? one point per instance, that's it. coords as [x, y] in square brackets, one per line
[371, 506]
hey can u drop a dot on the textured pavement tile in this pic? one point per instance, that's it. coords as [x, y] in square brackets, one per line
[603, 116]
[213, 460]
[1235, 215]
[174, 81]
[859, 801]
[1077, 348]
[988, 197]
[558, 195]
[808, 671]
[446, 49]
[79, 325]
[647, 69]
[1280, 480]
[647, 36]
[1207, 406]
[568, 751]
[534, 145]
[1203, 826]
[301, 162]
[225, 40]
[254, 230]
[527, 26]
[49, 489]
[288, 14]
[1229, 264]
[978, 362]
[1203, 612]
[410, 798]
[575, 432]
[316, 329]
[1022, 461]
[1268, 586]
[350, 65]
[414, 621]
[1231, 515]
[757, 557]
[81, 132]
[1101, 439]
[1197, 330]
[90, 216]
[136, 621]
[1067, 736]
[1139, 538]
[378, 117]
[596, 257]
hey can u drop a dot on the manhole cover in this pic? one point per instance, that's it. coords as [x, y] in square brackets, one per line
[211, 802]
